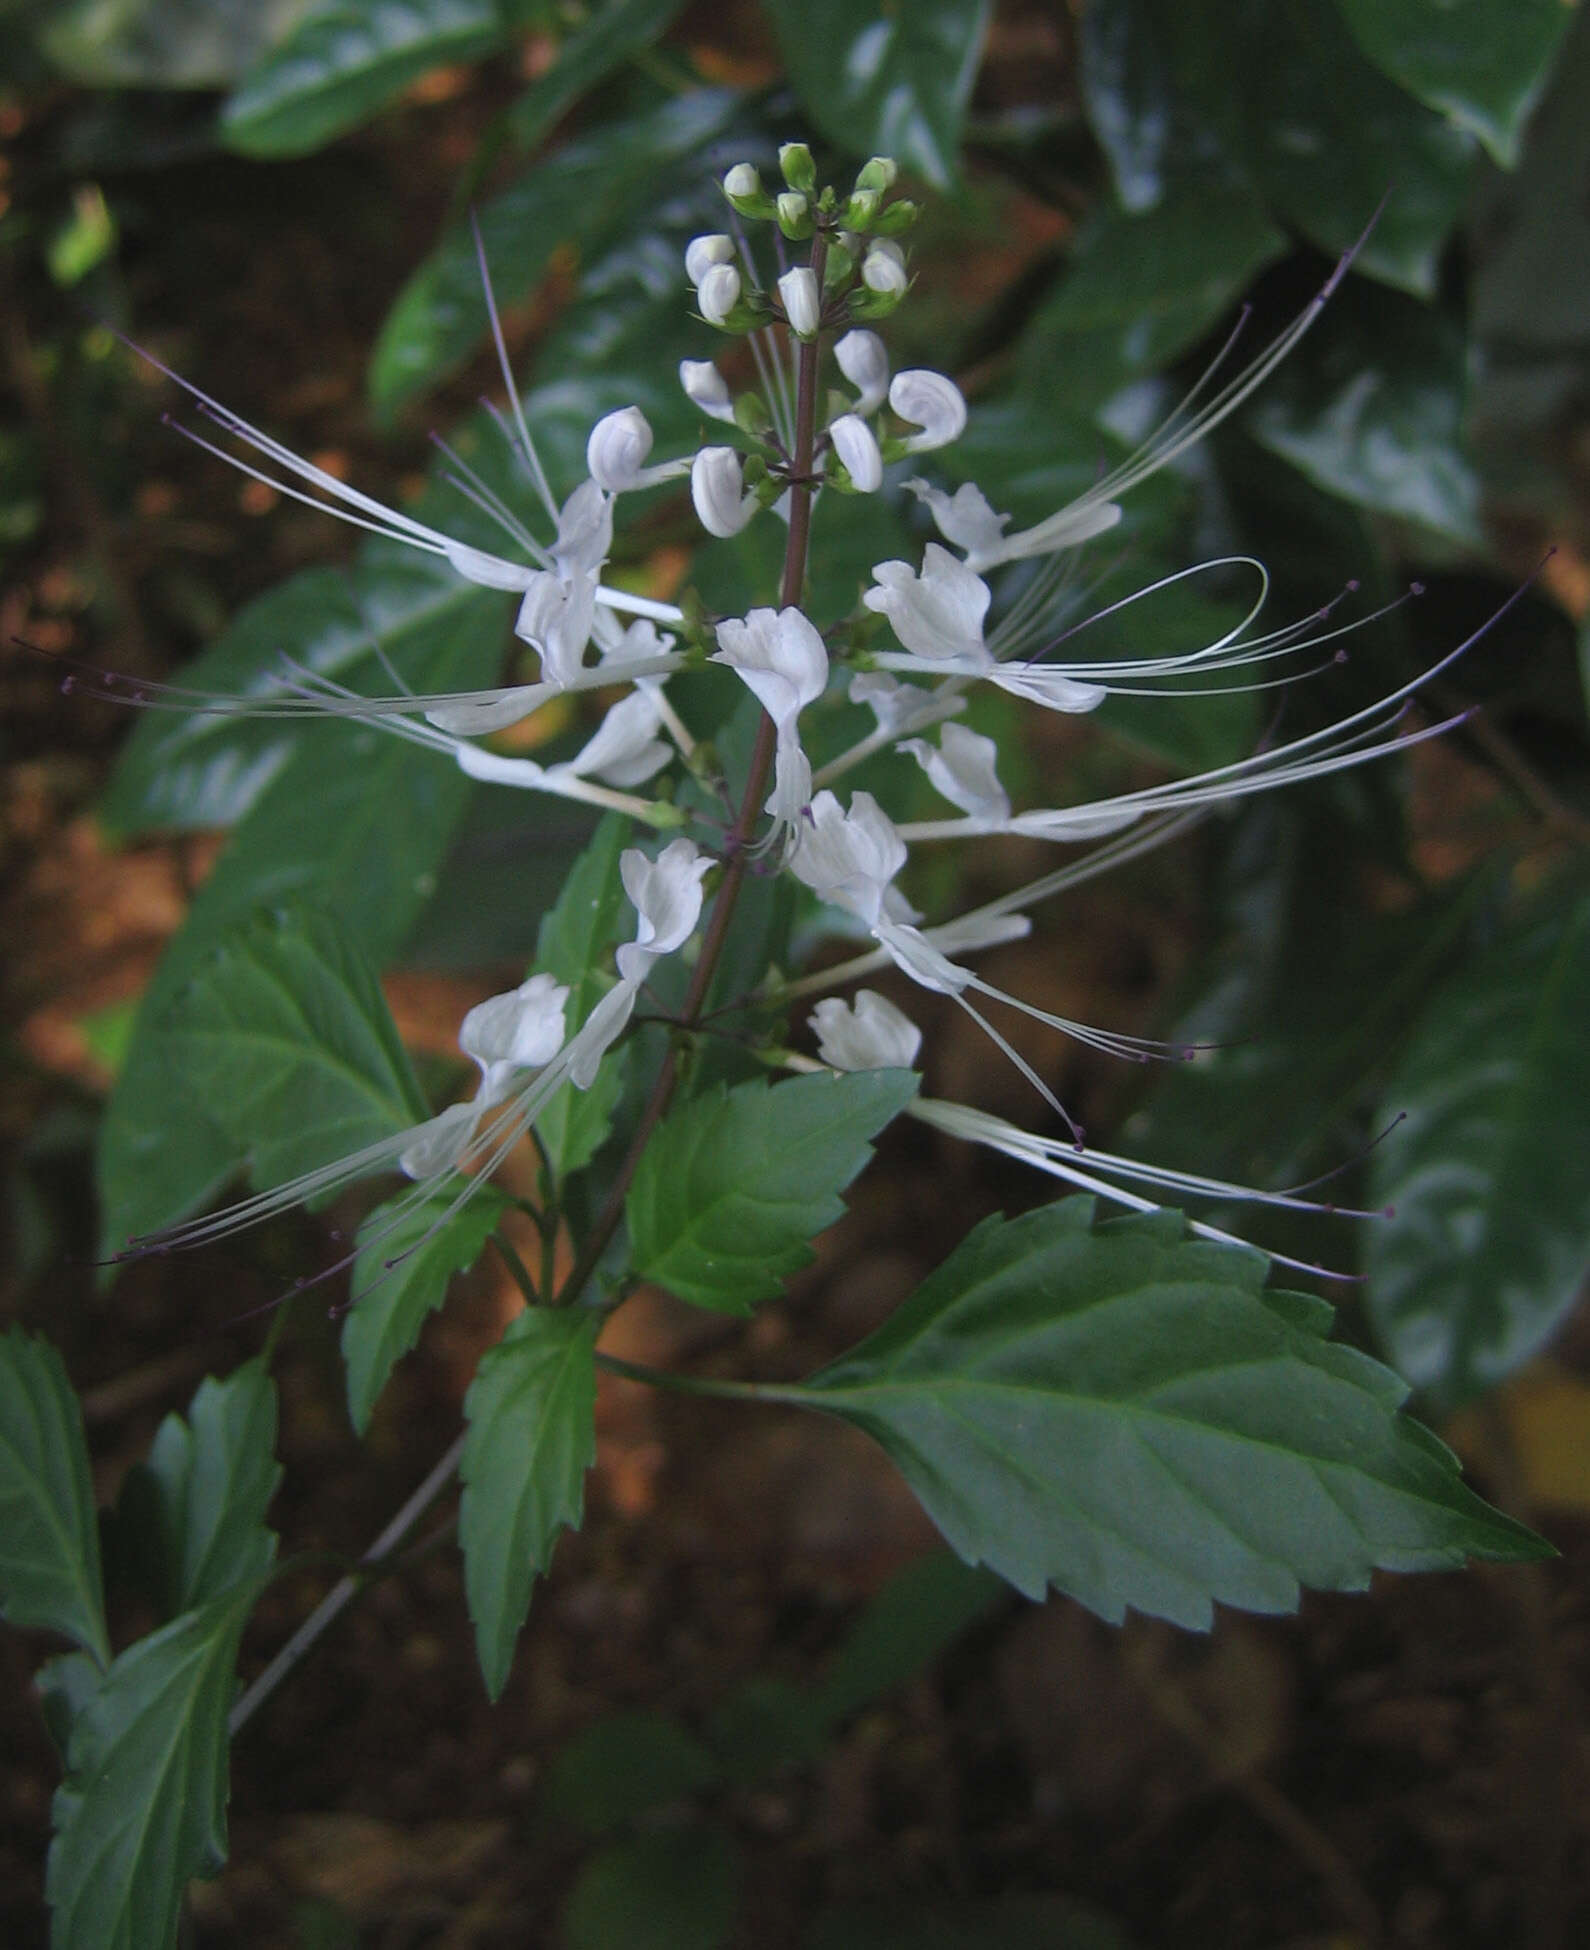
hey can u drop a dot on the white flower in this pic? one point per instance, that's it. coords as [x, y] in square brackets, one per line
[965, 520]
[963, 767]
[722, 501]
[930, 401]
[874, 1035]
[706, 387]
[666, 893]
[883, 269]
[522, 1030]
[855, 446]
[849, 858]
[784, 663]
[937, 614]
[626, 750]
[616, 451]
[701, 253]
[585, 530]
[802, 301]
[718, 293]
[555, 619]
[864, 362]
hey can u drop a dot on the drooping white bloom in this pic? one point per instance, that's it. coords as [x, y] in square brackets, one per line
[864, 362]
[937, 614]
[521, 1030]
[930, 401]
[963, 766]
[718, 293]
[802, 301]
[856, 447]
[615, 453]
[784, 663]
[722, 501]
[871, 1035]
[701, 253]
[707, 388]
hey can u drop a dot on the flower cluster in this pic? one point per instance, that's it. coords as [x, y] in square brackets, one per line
[983, 604]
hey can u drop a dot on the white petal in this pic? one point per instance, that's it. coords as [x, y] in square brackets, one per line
[490, 571]
[717, 488]
[617, 449]
[666, 893]
[701, 253]
[626, 749]
[937, 614]
[864, 362]
[874, 1035]
[848, 858]
[802, 301]
[1068, 528]
[963, 767]
[855, 446]
[1050, 688]
[964, 519]
[491, 711]
[707, 388]
[780, 656]
[585, 532]
[884, 272]
[933, 403]
[437, 1145]
[718, 293]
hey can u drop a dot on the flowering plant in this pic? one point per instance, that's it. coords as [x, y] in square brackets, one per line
[1122, 1408]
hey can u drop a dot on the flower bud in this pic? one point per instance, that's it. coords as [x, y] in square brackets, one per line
[896, 217]
[718, 293]
[799, 171]
[794, 216]
[933, 403]
[865, 363]
[855, 446]
[878, 174]
[706, 388]
[701, 253]
[883, 271]
[860, 209]
[802, 301]
[615, 453]
[717, 487]
[743, 187]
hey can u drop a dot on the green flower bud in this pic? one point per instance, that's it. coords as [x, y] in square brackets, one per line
[878, 174]
[860, 210]
[794, 216]
[743, 187]
[800, 172]
[896, 217]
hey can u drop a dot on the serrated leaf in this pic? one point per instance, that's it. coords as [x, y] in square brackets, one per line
[585, 195]
[673, 1891]
[531, 1438]
[622, 1766]
[1126, 1415]
[576, 945]
[1375, 415]
[408, 1252]
[199, 1500]
[345, 59]
[601, 44]
[736, 1183]
[1483, 63]
[49, 1533]
[1490, 1242]
[142, 1809]
[285, 1037]
[886, 80]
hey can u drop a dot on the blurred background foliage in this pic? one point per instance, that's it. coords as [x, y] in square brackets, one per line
[267, 194]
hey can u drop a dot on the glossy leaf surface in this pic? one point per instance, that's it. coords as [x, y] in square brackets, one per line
[1490, 1241]
[604, 41]
[1128, 1416]
[736, 1183]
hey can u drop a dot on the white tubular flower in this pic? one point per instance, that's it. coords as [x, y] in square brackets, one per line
[616, 453]
[855, 446]
[718, 293]
[883, 269]
[666, 893]
[784, 664]
[522, 1030]
[701, 253]
[937, 614]
[849, 858]
[874, 1035]
[802, 301]
[723, 503]
[963, 768]
[930, 401]
[626, 750]
[555, 620]
[864, 362]
[706, 388]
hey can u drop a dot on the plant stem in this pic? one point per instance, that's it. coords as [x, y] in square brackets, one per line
[739, 836]
[686, 1384]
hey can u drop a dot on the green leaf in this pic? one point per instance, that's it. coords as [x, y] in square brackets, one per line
[622, 1766]
[357, 823]
[345, 59]
[1139, 290]
[285, 1037]
[200, 1499]
[1482, 63]
[161, 43]
[142, 1809]
[919, 1612]
[1375, 415]
[408, 1251]
[576, 946]
[1490, 1242]
[531, 1438]
[1127, 1415]
[49, 1534]
[887, 80]
[585, 195]
[735, 1183]
[600, 45]
[673, 1891]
